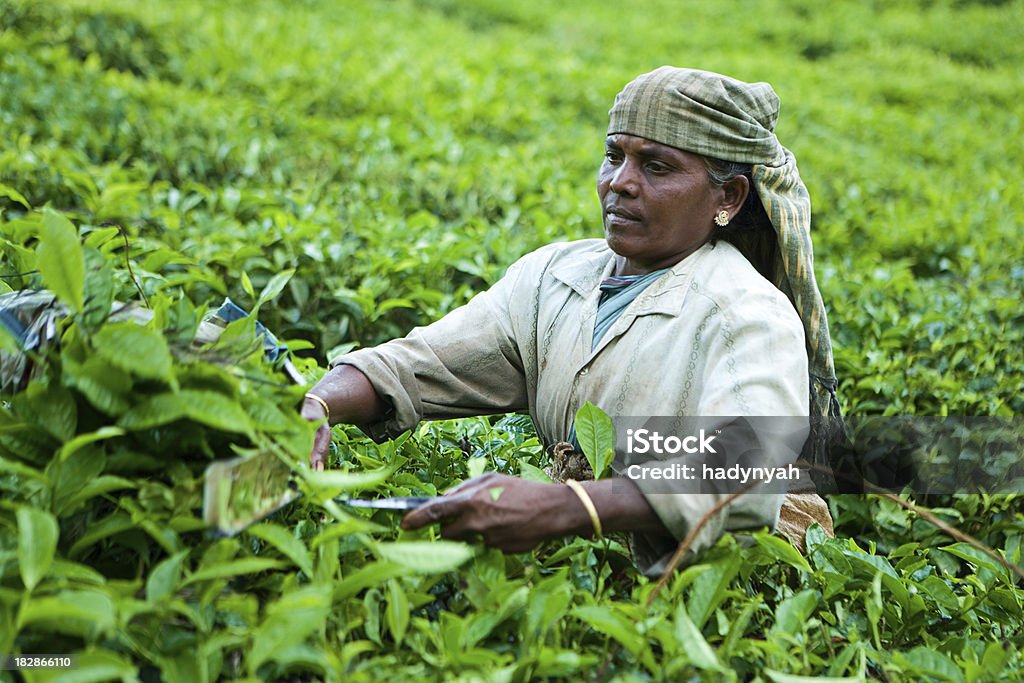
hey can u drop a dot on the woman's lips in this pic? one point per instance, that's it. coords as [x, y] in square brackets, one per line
[617, 214]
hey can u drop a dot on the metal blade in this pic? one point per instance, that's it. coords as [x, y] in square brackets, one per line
[401, 503]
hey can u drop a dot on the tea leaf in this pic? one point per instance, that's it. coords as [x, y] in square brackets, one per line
[532, 473]
[247, 284]
[792, 613]
[275, 285]
[924, 662]
[224, 570]
[289, 546]
[135, 349]
[165, 577]
[290, 619]
[425, 557]
[693, 643]
[85, 610]
[37, 542]
[336, 482]
[708, 589]
[61, 260]
[783, 550]
[81, 440]
[612, 623]
[11, 193]
[596, 435]
[397, 611]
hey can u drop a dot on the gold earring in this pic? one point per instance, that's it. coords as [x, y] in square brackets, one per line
[722, 218]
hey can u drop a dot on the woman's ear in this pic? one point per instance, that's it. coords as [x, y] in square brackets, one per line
[734, 193]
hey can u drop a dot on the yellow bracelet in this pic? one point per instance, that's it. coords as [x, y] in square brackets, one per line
[584, 497]
[323, 404]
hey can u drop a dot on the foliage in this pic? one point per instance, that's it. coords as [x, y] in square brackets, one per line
[397, 156]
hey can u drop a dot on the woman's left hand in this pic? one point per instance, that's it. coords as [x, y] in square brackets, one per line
[508, 513]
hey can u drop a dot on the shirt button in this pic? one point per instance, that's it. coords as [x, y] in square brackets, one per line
[584, 371]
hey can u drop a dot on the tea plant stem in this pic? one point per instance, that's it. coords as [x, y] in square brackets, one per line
[128, 262]
[687, 542]
[947, 529]
[674, 561]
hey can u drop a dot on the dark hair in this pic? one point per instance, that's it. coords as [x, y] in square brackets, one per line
[750, 230]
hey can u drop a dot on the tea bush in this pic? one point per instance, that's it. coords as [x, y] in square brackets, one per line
[397, 156]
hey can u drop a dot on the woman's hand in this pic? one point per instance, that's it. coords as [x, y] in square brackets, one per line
[508, 513]
[515, 515]
[314, 412]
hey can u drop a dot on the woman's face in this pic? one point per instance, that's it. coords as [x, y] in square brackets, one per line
[657, 203]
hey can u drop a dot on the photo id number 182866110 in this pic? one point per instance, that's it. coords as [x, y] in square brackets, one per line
[21, 662]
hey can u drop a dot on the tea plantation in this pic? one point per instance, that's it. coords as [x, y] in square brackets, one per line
[348, 170]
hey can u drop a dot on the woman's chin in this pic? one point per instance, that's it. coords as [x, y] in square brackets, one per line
[620, 244]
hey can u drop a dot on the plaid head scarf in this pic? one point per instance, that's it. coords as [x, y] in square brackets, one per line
[716, 116]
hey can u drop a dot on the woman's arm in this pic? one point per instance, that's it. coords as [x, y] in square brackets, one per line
[466, 363]
[350, 397]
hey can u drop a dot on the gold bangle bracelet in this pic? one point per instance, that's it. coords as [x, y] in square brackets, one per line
[584, 497]
[323, 404]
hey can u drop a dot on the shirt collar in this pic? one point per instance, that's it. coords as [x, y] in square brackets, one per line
[583, 275]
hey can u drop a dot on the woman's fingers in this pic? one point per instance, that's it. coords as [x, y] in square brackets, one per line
[500, 510]
[435, 511]
[321, 447]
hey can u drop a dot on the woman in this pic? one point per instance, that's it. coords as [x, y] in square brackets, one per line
[670, 314]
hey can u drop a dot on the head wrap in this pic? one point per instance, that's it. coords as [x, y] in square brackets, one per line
[716, 116]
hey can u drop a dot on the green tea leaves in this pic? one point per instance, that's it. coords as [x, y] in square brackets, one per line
[596, 434]
[61, 260]
[232, 568]
[426, 557]
[274, 286]
[11, 193]
[791, 615]
[165, 577]
[693, 643]
[37, 543]
[286, 543]
[75, 612]
[135, 349]
[290, 619]
[205, 407]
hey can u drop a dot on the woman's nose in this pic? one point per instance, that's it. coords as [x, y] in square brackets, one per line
[624, 180]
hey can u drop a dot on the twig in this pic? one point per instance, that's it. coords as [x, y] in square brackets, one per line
[684, 546]
[926, 515]
[128, 261]
[947, 528]
[677, 557]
